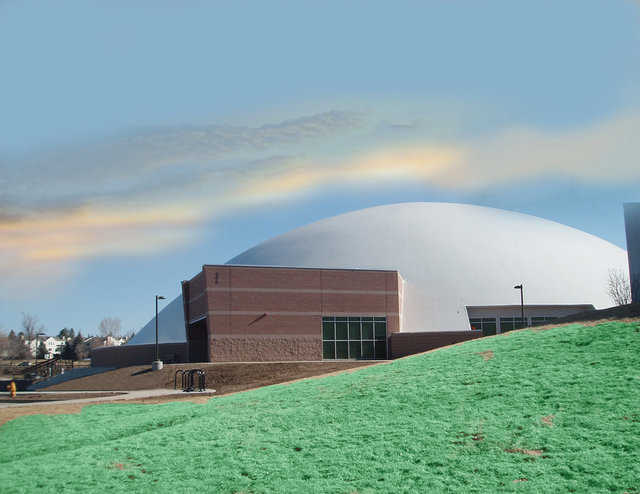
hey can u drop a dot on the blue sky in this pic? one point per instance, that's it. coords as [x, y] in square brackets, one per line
[140, 140]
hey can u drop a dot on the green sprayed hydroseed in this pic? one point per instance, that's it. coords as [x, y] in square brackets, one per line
[530, 411]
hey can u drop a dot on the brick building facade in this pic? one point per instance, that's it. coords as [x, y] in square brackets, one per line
[243, 313]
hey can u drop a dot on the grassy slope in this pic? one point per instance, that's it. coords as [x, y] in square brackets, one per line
[437, 422]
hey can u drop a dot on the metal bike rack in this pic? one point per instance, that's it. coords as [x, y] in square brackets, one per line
[188, 380]
[175, 378]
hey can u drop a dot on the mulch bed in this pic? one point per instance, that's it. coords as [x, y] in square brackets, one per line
[224, 378]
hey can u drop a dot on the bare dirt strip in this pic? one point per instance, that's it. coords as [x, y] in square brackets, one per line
[224, 378]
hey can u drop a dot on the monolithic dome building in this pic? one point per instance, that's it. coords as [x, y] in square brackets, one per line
[380, 283]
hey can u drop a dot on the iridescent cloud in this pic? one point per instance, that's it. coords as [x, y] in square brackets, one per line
[154, 190]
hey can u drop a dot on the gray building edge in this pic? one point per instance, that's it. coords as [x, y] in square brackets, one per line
[632, 229]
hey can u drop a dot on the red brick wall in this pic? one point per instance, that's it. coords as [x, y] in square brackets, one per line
[267, 314]
[197, 296]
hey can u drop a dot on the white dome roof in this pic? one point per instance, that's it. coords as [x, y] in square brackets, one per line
[452, 256]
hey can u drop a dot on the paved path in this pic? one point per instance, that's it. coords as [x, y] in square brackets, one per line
[127, 395]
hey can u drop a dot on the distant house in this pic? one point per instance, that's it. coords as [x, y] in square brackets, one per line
[111, 341]
[99, 341]
[53, 345]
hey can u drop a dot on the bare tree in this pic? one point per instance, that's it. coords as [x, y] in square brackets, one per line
[31, 328]
[110, 326]
[17, 348]
[619, 287]
[4, 344]
[80, 346]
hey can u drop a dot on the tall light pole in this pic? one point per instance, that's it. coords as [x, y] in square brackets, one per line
[38, 334]
[157, 364]
[519, 287]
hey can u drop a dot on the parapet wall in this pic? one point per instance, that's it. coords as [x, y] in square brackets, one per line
[125, 355]
[403, 344]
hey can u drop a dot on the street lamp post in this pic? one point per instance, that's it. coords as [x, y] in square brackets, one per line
[157, 363]
[38, 334]
[519, 287]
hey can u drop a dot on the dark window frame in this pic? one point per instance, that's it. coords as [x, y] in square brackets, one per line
[354, 337]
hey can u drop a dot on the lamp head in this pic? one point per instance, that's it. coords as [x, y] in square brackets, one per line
[518, 287]
[159, 297]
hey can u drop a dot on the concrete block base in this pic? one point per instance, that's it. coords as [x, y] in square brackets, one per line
[157, 365]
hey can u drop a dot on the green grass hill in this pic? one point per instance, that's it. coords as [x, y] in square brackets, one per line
[555, 410]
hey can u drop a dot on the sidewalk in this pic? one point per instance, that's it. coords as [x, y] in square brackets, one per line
[128, 395]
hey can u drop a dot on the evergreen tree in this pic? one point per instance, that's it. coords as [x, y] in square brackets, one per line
[80, 347]
[69, 351]
[42, 350]
[66, 333]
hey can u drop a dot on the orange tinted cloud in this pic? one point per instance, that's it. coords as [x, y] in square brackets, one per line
[170, 215]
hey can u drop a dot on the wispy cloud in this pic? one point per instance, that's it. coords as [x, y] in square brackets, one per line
[604, 152]
[156, 159]
[154, 189]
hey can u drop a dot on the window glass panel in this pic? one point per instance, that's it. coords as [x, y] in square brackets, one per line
[367, 331]
[485, 324]
[328, 350]
[354, 330]
[354, 337]
[341, 331]
[367, 350]
[489, 328]
[510, 323]
[342, 350]
[381, 330]
[328, 331]
[354, 349]
[505, 326]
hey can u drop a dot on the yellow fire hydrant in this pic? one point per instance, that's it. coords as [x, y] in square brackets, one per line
[12, 389]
